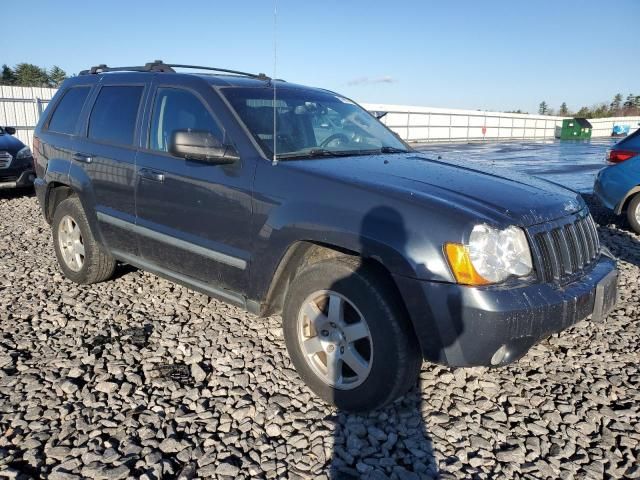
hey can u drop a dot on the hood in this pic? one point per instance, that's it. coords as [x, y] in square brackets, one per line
[497, 194]
[9, 143]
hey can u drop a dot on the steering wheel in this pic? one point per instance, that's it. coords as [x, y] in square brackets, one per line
[332, 138]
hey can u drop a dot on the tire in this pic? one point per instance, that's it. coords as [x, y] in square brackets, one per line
[633, 213]
[391, 349]
[95, 265]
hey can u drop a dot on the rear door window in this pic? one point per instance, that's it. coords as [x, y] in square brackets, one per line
[65, 117]
[114, 115]
[178, 109]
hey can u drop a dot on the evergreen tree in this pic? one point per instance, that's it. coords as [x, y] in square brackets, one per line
[617, 103]
[8, 77]
[543, 108]
[29, 75]
[56, 76]
[564, 110]
[630, 102]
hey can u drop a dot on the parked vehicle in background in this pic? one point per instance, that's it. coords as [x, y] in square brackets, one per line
[16, 161]
[618, 185]
[620, 130]
[376, 255]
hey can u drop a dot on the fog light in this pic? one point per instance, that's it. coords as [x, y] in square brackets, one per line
[499, 356]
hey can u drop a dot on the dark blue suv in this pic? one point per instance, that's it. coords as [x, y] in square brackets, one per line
[286, 199]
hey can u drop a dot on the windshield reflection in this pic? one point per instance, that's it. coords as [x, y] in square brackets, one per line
[310, 123]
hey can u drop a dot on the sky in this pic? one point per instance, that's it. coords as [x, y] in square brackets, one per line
[489, 55]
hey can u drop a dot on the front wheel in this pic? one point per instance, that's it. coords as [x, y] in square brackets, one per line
[633, 213]
[348, 335]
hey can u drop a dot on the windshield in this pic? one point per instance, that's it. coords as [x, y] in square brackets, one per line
[310, 123]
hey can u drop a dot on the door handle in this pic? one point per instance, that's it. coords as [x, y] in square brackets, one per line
[82, 158]
[151, 175]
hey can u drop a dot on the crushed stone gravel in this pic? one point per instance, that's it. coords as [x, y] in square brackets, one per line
[142, 378]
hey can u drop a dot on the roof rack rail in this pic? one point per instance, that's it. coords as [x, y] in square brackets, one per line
[260, 76]
[160, 66]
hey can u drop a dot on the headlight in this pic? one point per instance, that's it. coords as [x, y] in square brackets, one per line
[491, 256]
[24, 152]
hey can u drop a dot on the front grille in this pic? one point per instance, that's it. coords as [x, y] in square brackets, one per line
[5, 159]
[566, 248]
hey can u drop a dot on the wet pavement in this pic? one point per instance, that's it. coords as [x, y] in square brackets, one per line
[573, 164]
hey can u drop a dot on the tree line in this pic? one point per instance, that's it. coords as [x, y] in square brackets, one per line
[618, 107]
[29, 75]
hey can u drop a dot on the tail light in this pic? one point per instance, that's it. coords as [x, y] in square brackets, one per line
[619, 156]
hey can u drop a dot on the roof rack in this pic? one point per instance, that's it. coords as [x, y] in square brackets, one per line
[160, 66]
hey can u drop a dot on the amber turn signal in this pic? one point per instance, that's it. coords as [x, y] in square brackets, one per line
[461, 266]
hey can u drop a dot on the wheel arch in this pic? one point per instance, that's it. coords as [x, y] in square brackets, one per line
[622, 206]
[56, 193]
[306, 252]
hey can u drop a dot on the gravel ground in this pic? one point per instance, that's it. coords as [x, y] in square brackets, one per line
[139, 377]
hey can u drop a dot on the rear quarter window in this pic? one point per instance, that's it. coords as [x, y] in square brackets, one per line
[66, 114]
[114, 114]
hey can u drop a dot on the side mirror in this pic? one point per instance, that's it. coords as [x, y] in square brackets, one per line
[10, 130]
[201, 146]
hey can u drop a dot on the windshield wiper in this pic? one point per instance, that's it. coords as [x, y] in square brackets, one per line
[323, 152]
[313, 153]
[387, 149]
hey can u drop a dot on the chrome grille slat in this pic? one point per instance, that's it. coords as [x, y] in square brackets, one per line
[581, 241]
[573, 255]
[547, 249]
[578, 246]
[565, 248]
[586, 249]
[584, 230]
[594, 233]
[5, 159]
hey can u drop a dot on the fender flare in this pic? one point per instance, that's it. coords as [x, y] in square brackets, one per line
[79, 183]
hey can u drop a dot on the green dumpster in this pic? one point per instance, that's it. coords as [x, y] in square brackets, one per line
[575, 129]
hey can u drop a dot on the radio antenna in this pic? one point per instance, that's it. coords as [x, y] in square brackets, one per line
[274, 160]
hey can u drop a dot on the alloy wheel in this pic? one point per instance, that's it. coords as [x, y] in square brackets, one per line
[71, 243]
[335, 339]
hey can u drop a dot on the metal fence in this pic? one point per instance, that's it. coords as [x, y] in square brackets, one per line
[425, 124]
[21, 107]
[602, 127]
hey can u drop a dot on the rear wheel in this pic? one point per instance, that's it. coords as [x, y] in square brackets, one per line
[348, 335]
[80, 257]
[633, 213]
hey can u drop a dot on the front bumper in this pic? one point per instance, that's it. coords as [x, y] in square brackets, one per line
[489, 326]
[21, 180]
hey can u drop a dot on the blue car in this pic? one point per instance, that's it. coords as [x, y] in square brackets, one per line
[618, 185]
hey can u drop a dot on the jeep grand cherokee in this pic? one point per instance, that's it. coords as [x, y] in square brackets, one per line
[287, 199]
